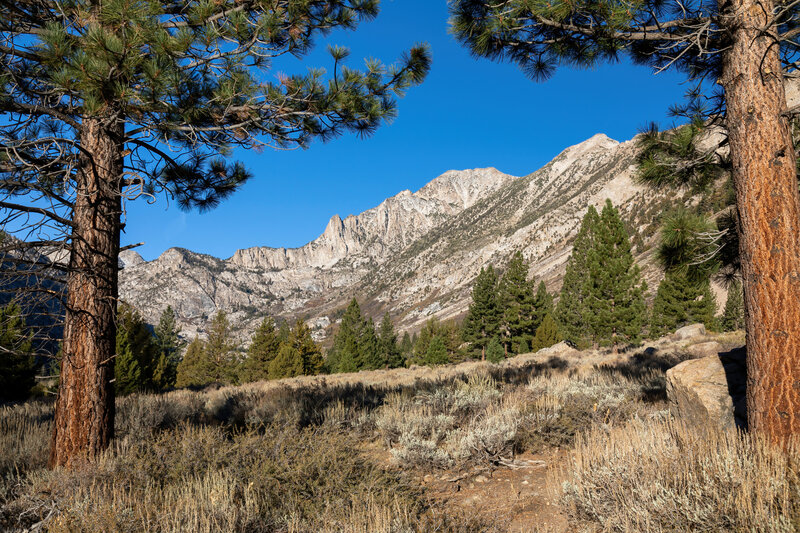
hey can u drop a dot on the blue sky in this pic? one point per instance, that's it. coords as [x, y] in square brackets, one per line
[469, 113]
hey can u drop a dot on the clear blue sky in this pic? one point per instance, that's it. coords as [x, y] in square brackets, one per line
[469, 113]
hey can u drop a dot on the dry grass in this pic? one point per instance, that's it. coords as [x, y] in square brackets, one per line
[659, 476]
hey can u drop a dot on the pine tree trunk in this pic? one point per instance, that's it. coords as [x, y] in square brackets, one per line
[84, 414]
[765, 178]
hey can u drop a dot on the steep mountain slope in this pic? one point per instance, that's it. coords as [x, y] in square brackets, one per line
[414, 255]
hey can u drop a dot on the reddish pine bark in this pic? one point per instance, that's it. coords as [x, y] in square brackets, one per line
[765, 178]
[84, 415]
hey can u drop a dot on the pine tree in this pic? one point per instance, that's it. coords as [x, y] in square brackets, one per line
[571, 311]
[615, 297]
[355, 344]
[680, 301]
[547, 334]
[543, 304]
[220, 349]
[263, 349]
[406, 348]
[743, 45]
[517, 301]
[733, 316]
[524, 347]
[147, 100]
[17, 364]
[369, 349]
[432, 328]
[195, 369]
[284, 331]
[306, 349]
[137, 353]
[390, 349]
[287, 364]
[168, 345]
[436, 353]
[495, 352]
[483, 319]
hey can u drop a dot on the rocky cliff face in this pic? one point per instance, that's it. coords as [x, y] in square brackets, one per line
[414, 255]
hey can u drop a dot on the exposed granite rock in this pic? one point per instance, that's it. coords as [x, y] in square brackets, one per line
[689, 332]
[710, 390]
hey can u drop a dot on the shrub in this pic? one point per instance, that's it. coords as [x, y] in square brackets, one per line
[662, 477]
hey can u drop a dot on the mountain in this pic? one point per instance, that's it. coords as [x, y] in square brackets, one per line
[414, 255]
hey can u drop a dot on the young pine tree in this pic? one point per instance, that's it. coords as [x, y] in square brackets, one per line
[287, 364]
[406, 347]
[195, 369]
[547, 334]
[436, 353]
[352, 341]
[309, 353]
[17, 364]
[543, 304]
[391, 352]
[263, 349]
[733, 316]
[572, 311]
[615, 298]
[220, 350]
[169, 346]
[517, 302]
[137, 353]
[483, 319]
[680, 301]
[495, 352]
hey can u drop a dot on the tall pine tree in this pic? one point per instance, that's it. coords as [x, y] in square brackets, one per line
[571, 311]
[355, 346]
[483, 319]
[195, 368]
[220, 350]
[615, 296]
[517, 302]
[137, 353]
[390, 350]
[169, 346]
[263, 349]
[309, 353]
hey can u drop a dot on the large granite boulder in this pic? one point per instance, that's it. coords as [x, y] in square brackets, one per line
[704, 349]
[710, 390]
[689, 332]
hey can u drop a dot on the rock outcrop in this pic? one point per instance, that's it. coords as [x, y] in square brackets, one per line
[710, 391]
[415, 255]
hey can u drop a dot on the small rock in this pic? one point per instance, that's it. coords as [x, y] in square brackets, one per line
[525, 482]
[689, 332]
[710, 390]
[481, 479]
[427, 478]
[704, 349]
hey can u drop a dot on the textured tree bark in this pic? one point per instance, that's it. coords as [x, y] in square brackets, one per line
[765, 179]
[84, 415]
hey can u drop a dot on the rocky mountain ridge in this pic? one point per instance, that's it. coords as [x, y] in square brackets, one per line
[414, 255]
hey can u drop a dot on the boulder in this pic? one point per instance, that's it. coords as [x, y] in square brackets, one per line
[704, 349]
[689, 332]
[710, 390]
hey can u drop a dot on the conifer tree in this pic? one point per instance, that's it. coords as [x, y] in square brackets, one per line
[137, 353]
[306, 349]
[744, 46]
[680, 301]
[17, 364]
[195, 369]
[390, 349]
[436, 353]
[524, 347]
[169, 345]
[733, 316]
[517, 301]
[615, 298]
[450, 334]
[543, 304]
[220, 350]
[369, 349]
[494, 351]
[483, 319]
[547, 334]
[107, 102]
[355, 342]
[571, 311]
[406, 347]
[263, 349]
[284, 331]
[287, 364]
